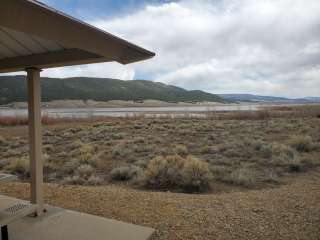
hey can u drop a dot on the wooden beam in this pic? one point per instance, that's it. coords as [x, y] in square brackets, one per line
[35, 142]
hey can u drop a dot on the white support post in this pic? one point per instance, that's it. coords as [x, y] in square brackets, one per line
[35, 142]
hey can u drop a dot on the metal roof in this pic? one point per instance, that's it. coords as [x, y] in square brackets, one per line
[14, 43]
[33, 34]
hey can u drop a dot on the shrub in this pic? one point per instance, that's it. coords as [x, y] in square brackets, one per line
[120, 150]
[310, 162]
[258, 145]
[78, 180]
[282, 154]
[212, 137]
[266, 150]
[206, 150]
[4, 163]
[301, 143]
[12, 153]
[139, 140]
[2, 140]
[48, 165]
[86, 153]
[196, 175]
[142, 163]
[48, 148]
[164, 172]
[220, 171]
[19, 167]
[70, 166]
[243, 176]
[270, 176]
[75, 180]
[316, 146]
[175, 172]
[285, 156]
[141, 148]
[94, 181]
[125, 173]
[117, 136]
[85, 171]
[181, 150]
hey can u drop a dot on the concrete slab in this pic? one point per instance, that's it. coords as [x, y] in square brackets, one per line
[64, 224]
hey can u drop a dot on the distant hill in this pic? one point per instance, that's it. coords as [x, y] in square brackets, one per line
[258, 98]
[14, 89]
[313, 99]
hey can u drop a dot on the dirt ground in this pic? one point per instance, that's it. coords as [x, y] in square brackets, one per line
[290, 211]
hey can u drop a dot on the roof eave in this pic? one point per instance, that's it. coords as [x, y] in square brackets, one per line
[68, 31]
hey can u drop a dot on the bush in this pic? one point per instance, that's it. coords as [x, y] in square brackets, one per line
[71, 166]
[282, 154]
[85, 171]
[117, 136]
[4, 163]
[86, 153]
[270, 176]
[175, 172]
[266, 150]
[78, 180]
[285, 156]
[301, 143]
[206, 150]
[120, 150]
[220, 171]
[181, 150]
[75, 180]
[164, 172]
[243, 176]
[2, 140]
[196, 175]
[125, 173]
[19, 167]
[139, 140]
[94, 180]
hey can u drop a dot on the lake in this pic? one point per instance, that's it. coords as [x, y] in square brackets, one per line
[130, 111]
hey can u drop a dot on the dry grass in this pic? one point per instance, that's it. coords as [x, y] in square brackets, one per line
[264, 150]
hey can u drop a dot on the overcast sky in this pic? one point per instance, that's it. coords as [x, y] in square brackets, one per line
[266, 47]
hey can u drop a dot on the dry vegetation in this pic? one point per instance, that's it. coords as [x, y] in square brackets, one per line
[185, 154]
[141, 166]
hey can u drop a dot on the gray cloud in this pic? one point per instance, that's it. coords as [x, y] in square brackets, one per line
[225, 46]
[262, 47]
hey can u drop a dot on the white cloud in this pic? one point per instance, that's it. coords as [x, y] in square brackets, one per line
[263, 47]
[100, 70]
[223, 46]
[111, 70]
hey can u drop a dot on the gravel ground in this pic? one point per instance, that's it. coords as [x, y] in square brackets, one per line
[290, 211]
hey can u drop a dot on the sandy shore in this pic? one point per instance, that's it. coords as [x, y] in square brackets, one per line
[111, 104]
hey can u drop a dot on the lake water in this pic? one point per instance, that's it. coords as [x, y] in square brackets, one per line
[130, 111]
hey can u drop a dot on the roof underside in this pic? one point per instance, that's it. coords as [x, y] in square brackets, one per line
[14, 44]
[34, 35]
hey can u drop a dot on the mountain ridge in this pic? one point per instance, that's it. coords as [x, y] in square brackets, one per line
[14, 89]
[261, 98]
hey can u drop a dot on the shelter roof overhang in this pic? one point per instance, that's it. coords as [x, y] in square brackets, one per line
[35, 35]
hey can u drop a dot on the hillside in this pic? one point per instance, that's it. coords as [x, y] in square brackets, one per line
[14, 89]
[258, 98]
